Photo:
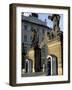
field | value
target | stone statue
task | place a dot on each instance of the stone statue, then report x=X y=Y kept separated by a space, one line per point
x=35 y=38
x=55 y=18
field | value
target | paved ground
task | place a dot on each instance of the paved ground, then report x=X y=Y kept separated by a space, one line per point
x=34 y=74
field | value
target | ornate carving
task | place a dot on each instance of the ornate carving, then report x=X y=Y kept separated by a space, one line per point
x=55 y=18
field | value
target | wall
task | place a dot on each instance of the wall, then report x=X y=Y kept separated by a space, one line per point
x=4 y=45
x=54 y=48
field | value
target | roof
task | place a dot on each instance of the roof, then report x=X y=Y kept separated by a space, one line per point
x=34 y=20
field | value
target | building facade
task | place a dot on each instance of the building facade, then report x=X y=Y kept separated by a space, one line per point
x=41 y=45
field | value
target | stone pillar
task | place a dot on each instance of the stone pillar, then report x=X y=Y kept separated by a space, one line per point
x=37 y=63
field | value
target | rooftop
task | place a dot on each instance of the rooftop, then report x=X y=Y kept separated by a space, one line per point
x=34 y=20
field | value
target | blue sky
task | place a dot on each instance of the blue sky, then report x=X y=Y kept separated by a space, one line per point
x=43 y=16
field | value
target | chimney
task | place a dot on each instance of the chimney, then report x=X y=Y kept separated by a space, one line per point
x=35 y=15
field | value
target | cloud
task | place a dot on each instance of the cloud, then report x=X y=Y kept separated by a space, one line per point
x=26 y=14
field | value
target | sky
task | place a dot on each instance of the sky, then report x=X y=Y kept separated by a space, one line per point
x=43 y=16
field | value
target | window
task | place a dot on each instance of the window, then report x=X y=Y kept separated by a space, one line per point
x=37 y=29
x=30 y=38
x=52 y=65
x=26 y=66
x=24 y=50
x=43 y=31
x=49 y=67
x=25 y=27
x=25 y=38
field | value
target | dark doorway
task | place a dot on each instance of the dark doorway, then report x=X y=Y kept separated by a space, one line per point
x=37 y=59
x=26 y=67
x=52 y=65
x=49 y=67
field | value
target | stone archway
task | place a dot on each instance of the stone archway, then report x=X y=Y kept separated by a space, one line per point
x=28 y=66
x=52 y=65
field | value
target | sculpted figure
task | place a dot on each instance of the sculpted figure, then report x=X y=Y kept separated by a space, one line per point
x=55 y=18
x=35 y=39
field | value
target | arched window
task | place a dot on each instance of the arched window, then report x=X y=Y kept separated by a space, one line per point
x=49 y=66
x=28 y=66
x=52 y=64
